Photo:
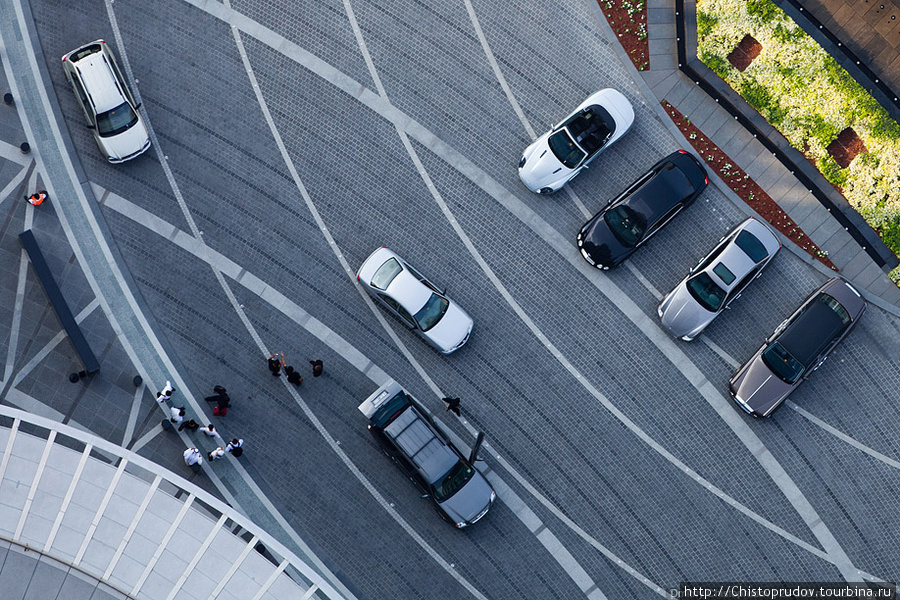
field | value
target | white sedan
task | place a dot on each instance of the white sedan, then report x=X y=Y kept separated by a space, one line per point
x=417 y=302
x=563 y=152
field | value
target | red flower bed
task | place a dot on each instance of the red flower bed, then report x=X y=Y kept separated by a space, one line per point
x=628 y=19
x=744 y=187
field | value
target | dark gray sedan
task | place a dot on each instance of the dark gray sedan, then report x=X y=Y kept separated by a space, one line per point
x=798 y=347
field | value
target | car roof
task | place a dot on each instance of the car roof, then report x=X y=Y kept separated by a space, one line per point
x=99 y=81
x=416 y=438
x=660 y=192
x=812 y=330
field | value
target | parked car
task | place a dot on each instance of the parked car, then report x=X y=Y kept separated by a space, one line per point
x=798 y=347
x=556 y=157
x=107 y=102
x=408 y=436
x=635 y=215
x=418 y=303
x=718 y=280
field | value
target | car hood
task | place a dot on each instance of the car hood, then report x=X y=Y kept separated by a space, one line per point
x=600 y=243
x=542 y=168
x=760 y=388
x=452 y=330
x=127 y=143
x=472 y=500
x=683 y=316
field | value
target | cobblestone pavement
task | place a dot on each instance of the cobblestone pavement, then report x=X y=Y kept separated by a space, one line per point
x=623 y=467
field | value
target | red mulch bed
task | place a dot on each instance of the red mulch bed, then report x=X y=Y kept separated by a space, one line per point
x=745 y=187
x=744 y=53
x=630 y=28
x=845 y=147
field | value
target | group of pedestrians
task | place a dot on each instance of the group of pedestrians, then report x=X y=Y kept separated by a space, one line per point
x=177 y=414
x=276 y=364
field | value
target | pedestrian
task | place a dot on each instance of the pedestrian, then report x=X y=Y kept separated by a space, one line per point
x=190 y=425
x=36 y=198
x=275 y=363
x=293 y=376
x=220 y=397
x=177 y=415
x=192 y=457
x=452 y=405
x=318 y=367
x=215 y=454
x=165 y=394
x=210 y=430
x=235 y=446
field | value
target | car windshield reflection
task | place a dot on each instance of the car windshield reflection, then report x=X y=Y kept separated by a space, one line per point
x=430 y=314
x=116 y=120
x=452 y=481
x=627 y=224
x=705 y=291
x=566 y=150
x=780 y=361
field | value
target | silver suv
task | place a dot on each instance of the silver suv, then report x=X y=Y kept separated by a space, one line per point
x=107 y=102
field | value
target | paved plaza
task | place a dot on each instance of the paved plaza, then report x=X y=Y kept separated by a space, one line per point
x=289 y=141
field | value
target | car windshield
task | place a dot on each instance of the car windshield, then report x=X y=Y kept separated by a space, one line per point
x=627 y=224
x=452 y=481
x=565 y=149
x=386 y=273
x=780 y=361
x=705 y=291
x=429 y=315
x=748 y=242
x=116 y=120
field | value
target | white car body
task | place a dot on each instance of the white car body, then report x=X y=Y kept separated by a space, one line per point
x=543 y=172
x=406 y=293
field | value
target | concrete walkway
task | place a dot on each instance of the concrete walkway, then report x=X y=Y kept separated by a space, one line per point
x=666 y=81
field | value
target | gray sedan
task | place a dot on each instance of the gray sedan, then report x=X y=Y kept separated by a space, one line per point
x=412 y=298
x=718 y=280
x=798 y=347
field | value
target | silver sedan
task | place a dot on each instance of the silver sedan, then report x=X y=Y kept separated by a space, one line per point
x=718 y=279
x=413 y=299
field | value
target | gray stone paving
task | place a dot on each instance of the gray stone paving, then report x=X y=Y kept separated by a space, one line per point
x=536 y=415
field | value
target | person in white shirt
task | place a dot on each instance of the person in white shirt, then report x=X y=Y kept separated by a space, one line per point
x=216 y=454
x=210 y=430
x=192 y=457
x=235 y=446
x=177 y=415
x=165 y=394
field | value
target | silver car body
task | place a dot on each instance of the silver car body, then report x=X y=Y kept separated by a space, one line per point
x=106 y=101
x=540 y=169
x=718 y=279
x=415 y=300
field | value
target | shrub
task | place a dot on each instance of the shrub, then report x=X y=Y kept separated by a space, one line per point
x=705 y=23
x=765 y=11
x=832 y=171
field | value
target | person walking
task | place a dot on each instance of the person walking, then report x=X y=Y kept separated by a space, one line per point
x=192 y=457
x=215 y=454
x=210 y=431
x=452 y=405
x=190 y=425
x=235 y=446
x=219 y=396
x=275 y=363
x=177 y=415
x=166 y=393
x=318 y=366
x=293 y=376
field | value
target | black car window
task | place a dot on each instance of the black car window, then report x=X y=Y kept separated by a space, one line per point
x=627 y=224
x=749 y=243
x=706 y=292
x=116 y=120
x=395 y=306
x=390 y=409
x=430 y=314
x=76 y=83
x=782 y=363
x=724 y=273
x=565 y=149
x=837 y=307
x=452 y=481
x=386 y=273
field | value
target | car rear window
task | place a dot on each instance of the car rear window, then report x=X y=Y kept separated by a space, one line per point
x=749 y=243
x=386 y=273
x=86 y=51
x=389 y=410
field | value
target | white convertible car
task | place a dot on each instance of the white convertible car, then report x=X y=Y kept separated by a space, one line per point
x=561 y=153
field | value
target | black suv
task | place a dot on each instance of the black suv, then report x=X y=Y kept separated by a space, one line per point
x=406 y=434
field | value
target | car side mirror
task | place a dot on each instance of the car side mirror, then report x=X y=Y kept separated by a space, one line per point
x=138 y=105
x=91 y=127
